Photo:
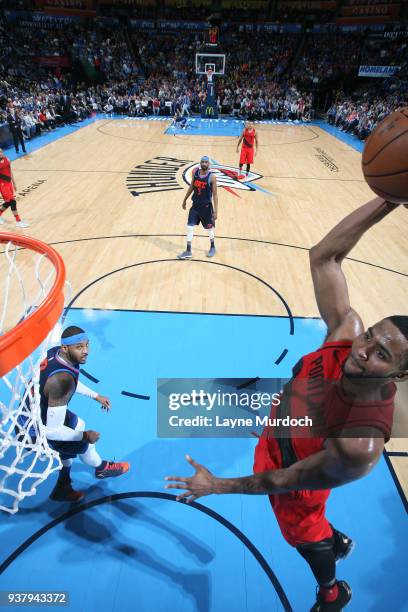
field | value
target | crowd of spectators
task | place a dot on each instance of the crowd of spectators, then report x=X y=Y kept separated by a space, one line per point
x=359 y=114
x=269 y=75
x=105 y=50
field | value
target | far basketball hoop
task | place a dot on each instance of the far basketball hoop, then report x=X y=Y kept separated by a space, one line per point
x=210 y=61
x=210 y=75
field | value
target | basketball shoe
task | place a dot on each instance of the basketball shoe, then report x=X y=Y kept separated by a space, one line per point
x=341 y=601
x=110 y=469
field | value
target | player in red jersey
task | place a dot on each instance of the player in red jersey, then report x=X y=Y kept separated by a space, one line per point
x=347 y=388
x=7 y=187
x=249 y=138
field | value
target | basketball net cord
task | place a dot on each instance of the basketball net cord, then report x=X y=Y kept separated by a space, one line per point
x=26 y=459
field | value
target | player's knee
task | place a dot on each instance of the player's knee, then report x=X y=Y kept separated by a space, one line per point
x=13 y=205
x=310 y=549
x=5 y=205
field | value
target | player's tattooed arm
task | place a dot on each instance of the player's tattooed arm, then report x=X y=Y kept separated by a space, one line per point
x=59 y=389
x=344 y=460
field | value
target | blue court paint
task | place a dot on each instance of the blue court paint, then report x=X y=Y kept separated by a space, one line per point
x=208 y=127
x=196 y=126
x=349 y=139
x=41 y=141
x=150 y=554
x=45 y=139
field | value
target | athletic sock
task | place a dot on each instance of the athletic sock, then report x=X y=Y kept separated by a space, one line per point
x=188 y=247
x=17 y=218
x=212 y=244
x=329 y=594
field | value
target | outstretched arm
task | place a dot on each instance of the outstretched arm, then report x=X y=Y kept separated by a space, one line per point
x=342 y=461
x=328 y=277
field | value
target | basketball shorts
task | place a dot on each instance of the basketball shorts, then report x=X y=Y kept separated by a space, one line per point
x=7 y=191
x=300 y=514
x=70 y=449
x=247 y=155
x=201 y=214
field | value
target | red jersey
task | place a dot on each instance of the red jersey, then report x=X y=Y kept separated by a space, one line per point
x=249 y=137
x=5 y=170
x=315 y=391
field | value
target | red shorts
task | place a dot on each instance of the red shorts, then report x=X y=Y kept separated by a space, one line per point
x=7 y=191
x=300 y=514
x=247 y=155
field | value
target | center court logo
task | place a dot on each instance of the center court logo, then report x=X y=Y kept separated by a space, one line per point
x=155 y=175
x=227 y=178
x=161 y=174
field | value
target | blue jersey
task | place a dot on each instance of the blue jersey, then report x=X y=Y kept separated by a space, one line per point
x=202 y=194
x=51 y=365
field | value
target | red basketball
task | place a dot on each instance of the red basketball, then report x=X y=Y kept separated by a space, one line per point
x=385 y=158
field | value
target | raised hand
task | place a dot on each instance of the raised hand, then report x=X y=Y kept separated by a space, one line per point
x=202 y=483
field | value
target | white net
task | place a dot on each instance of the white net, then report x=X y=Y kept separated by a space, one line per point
x=26 y=459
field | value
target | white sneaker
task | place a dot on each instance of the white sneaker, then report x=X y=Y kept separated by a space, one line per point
x=22 y=224
x=1 y=221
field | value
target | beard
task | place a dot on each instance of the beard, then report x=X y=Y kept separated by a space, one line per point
x=363 y=376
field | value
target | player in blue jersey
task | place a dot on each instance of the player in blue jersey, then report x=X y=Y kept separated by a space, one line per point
x=179 y=120
x=65 y=431
x=204 y=189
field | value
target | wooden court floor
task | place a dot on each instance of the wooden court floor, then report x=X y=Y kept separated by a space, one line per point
x=109 y=195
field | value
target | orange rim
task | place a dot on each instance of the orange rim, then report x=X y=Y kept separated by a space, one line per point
x=26 y=336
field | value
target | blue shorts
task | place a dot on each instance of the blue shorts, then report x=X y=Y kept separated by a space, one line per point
x=69 y=450
x=201 y=214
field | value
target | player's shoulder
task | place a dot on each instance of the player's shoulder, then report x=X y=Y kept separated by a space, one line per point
x=60 y=384
x=332 y=356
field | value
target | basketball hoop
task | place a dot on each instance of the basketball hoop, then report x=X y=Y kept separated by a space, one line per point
x=33 y=300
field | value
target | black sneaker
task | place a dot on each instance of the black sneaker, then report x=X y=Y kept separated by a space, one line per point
x=338 y=604
x=342 y=545
x=65 y=493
